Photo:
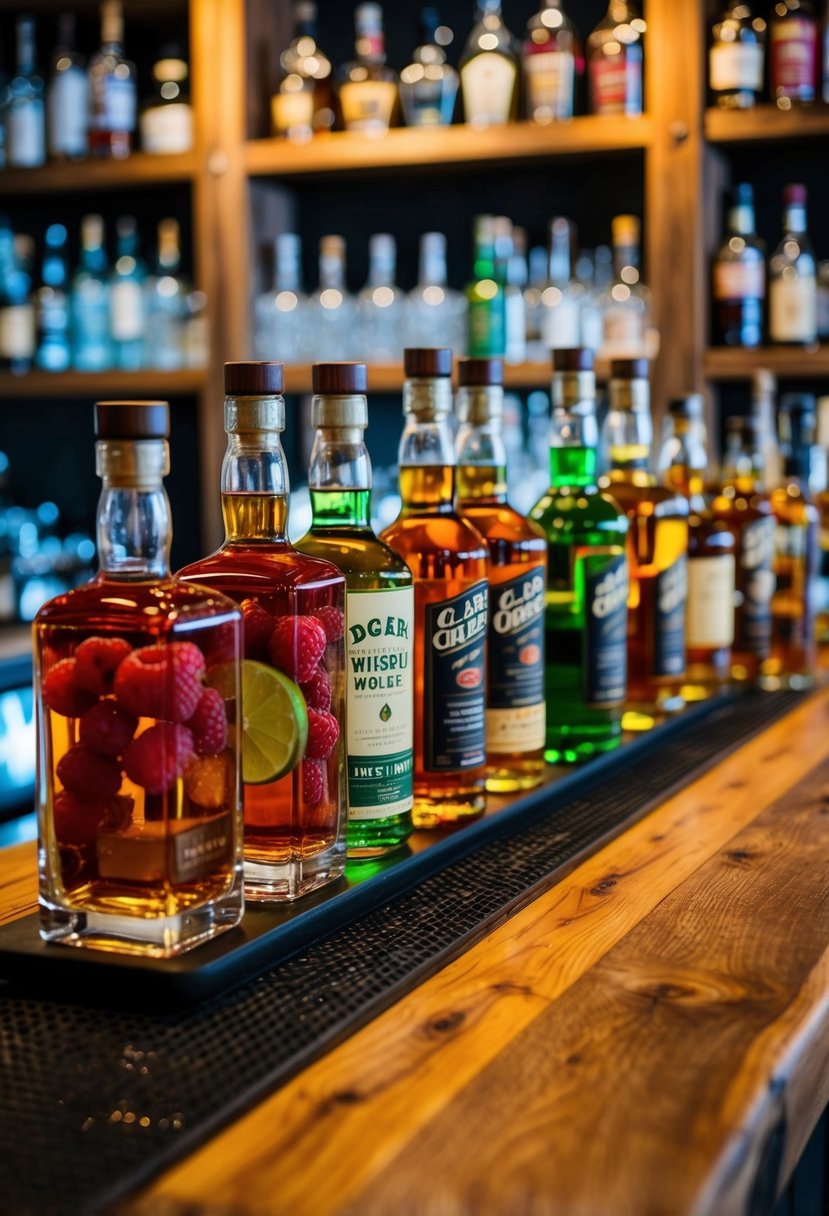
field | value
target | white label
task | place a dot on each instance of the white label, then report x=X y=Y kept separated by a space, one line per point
x=17 y=331
x=560 y=328
x=793 y=309
x=26 y=134
x=67 y=113
x=736 y=65
x=549 y=76
x=367 y=105
x=739 y=280
x=515 y=730
x=709 y=620
x=126 y=307
x=115 y=105
x=166 y=130
x=488 y=84
x=624 y=333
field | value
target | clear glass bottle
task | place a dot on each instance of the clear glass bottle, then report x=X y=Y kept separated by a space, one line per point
x=139 y=803
x=381 y=305
x=89 y=301
x=508 y=275
x=549 y=62
x=793 y=277
x=17 y=311
x=113 y=98
x=739 y=276
x=127 y=299
x=166 y=302
x=166 y=121
x=435 y=312
x=429 y=85
x=736 y=60
x=368 y=87
x=293 y=759
x=517 y=570
x=794 y=59
x=53 y=352
x=67 y=97
x=594 y=299
x=331 y=310
x=561 y=297
x=379 y=615
x=626 y=302
x=280 y=314
x=489 y=69
x=485 y=297
x=306 y=93
x=537 y=270
x=448 y=559
x=614 y=61
x=764 y=412
x=24 y=113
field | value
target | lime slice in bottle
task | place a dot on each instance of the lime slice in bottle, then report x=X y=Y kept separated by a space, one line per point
x=275 y=719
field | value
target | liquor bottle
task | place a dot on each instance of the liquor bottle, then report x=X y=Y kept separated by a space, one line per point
x=429 y=85
x=560 y=299
x=793 y=276
x=614 y=61
x=736 y=61
x=17 y=314
x=379 y=615
x=709 y=619
x=280 y=313
x=448 y=559
x=436 y=313
x=537 y=271
x=507 y=274
x=24 y=114
x=764 y=412
x=587 y=580
x=368 y=88
x=549 y=62
x=127 y=299
x=166 y=121
x=331 y=310
x=793 y=53
x=67 y=97
x=739 y=276
x=489 y=69
x=626 y=302
x=593 y=302
x=89 y=301
x=293 y=673
x=112 y=89
x=165 y=302
x=53 y=353
x=657 y=549
x=381 y=305
x=485 y=297
x=138 y=770
x=821 y=497
x=306 y=94
x=516 y=569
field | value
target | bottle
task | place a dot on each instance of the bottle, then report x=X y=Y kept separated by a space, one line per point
x=560 y=299
x=508 y=275
x=448 y=559
x=736 y=61
x=381 y=305
x=586 y=611
x=657 y=549
x=516 y=570
x=293 y=609
x=280 y=314
x=67 y=100
x=549 y=62
x=739 y=276
x=112 y=89
x=709 y=620
x=17 y=313
x=368 y=88
x=24 y=114
x=793 y=276
x=489 y=69
x=485 y=297
x=821 y=497
x=436 y=313
x=127 y=299
x=626 y=302
x=89 y=301
x=537 y=271
x=166 y=302
x=166 y=121
x=825 y=57
x=139 y=808
x=793 y=53
x=429 y=85
x=379 y=615
x=306 y=94
x=331 y=310
x=53 y=353
x=614 y=61
x=593 y=302
x=764 y=412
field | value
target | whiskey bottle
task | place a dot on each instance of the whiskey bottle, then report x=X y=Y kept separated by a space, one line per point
x=516 y=569
x=549 y=62
x=166 y=120
x=429 y=85
x=307 y=81
x=368 y=88
x=739 y=276
x=24 y=116
x=793 y=276
x=614 y=61
x=736 y=60
x=112 y=89
x=489 y=69
x=67 y=101
x=626 y=301
x=379 y=615
x=793 y=53
x=448 y=559
x=587 y=582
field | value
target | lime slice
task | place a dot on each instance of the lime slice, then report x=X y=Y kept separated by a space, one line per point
x=275 y=719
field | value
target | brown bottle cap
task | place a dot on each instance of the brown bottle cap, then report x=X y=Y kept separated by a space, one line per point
x=629 y=369
x=254 y=379
x=132 y=419
x=339 y=379
x=427 y=361
x=480 y=373
x=689 y=406
x=572 y=359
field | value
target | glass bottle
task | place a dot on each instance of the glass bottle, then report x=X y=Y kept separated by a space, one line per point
x=508 y=275
x=280 y=314
x=485 y=297
x=166 y=302
x=24 y=113
x=379 y=615
x=594 y=300
x=138 y=770
x=17 y=312
x=53 y=352
x=166 y=121
x=821 y=497
x=764 y=412
x=331 y=310
x=736 y=61
x=587 y=580
x=429 y=85
x=89 y=301
x=435 y=312
x=448 y=559
x=517 y=570
x=793 y=53
x=537 y=271
x=368 y=88
x=626 y=302
x=381 y=305
x=560 y=299
x=126 y=299
x=308 y=69
x=614 y=61
x=489 y=69
x=112 y=89
x=657 y=549
x=793 y=276
x=67 y=97
x=739 y=276
x=549 y=62
x=293 y=675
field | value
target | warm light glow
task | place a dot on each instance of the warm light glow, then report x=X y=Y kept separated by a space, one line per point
x=488 y=42
x=620 y=293
x=487 y=289
x=551 y=297
x=331 y=298
x=412 y=73
x=382 y=297
x=551 y=17
x=286 y=301
x=125 y=264
x=306 y=46
x=434 y=296
x=169 y=90
x=443 y=35
x=629 y=274
x=736 y=244
x=167 y=286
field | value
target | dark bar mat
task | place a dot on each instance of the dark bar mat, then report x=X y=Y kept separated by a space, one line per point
x=95 y=1102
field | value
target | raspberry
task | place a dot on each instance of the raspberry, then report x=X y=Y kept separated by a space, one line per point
x=78 y=822
x=258 y=627
x=107 y=728
x=323 y=733
x=61 y=693
x=317 y=691
x=161 y=681
x=159 y=756
x=297 y=645
x=332 y=621
x=313 y=782
x=206 y=782
x=97 y=660
x=209 y=724
x=88 y=774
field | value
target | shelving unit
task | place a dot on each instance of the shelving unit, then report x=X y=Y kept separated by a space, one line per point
x=786 y=362
x=91 y=176
x=145 y=383
x=388 y=377
x=766 y=124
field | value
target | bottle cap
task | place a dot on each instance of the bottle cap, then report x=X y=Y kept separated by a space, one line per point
x=427 y=361
x=745 y=427
x=794 y=195
x=254 y=379
x=383 y=246
x=625 y=229
x=743 y=195
x=132 y=419
x=689 y=406
x=629 y=369
x=572 y=359
x=480 y=373
x=332 y=246
x=339 y=379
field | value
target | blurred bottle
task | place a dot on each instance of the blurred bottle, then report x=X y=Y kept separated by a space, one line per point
x=331 y=310
x=112 y=89
x=739 y=276
x=436 y=313
x=485 y=296
x=736 y=60
x=508 y=274
x=368 y=87
x=24 y=112
x=793 y=53
x=429 y=85
x=307 y=84
x=793 y=277
x=626 y=302
x=167 y=118
x=196 y=330
x=549 y=63
x=592 y=306
x=823 y=300
x=166 y=302
x=537 y=281
x=381 y=305
x=489 y=69
x=821 y=496
x=764 y=413
x=53 y=352
x=614 y=61
x=560 y=299
x=67 y=97
x=126 y=299
x=17 y=319
x=280 y=314
x=89 y=301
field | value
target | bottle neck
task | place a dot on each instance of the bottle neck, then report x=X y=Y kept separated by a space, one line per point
x=573 y=430
x=254 y=471
x=134 y=531
x=482 y=459
x=740 y=220
x=370 y=44
x=559 y=264
x=339 y=478
x=427 y=456
x=743 y=468
x=287 y=276
x=626 y=258
x=382 y=270
x=627 y=433
x=25 y=48
x=485 y=262
x=432 y=268
x=169 y=256
x=794 y=218
x=332 y=271
x=488 y=8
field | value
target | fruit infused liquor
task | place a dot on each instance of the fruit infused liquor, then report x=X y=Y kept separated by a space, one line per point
x=587 y=579
x=448 y=559
x=293 y=668
x=517 y=570
x=379 y=613
x=140 y=830
x=657 y=550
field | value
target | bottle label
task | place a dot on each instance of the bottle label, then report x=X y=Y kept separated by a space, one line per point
x=560 y=321
x=166 y=130
x=367 y=105
x=735 y=66
x=739 y=280
x=25 y=134
x=670 y=596
x=549 y=76
x=616 y=83
x=794 y=57
x=113 y=104
x=756 y=586
x=793 y=309
x=126 y=303
x=17 y=331
x=67 y=113
x=379 y=702
x=515 y=713
x=454 y=681
x=710 y=623
x=488 y=85
x=605 y=636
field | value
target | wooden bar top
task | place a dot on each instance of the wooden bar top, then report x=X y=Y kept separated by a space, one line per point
x=650 y=1036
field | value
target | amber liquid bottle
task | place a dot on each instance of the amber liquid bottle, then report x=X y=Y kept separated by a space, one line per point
x=448 y=559
x=517 y=569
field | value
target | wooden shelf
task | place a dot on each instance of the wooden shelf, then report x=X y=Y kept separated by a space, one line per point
x=388 y=377
x=146 y=383
x=787 y=362
x=765 y=124
x=405 y=147
x=83 y=176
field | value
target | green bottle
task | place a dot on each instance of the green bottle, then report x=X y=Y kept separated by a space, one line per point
x=486 y=297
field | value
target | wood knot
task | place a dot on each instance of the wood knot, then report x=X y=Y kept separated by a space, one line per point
x=738 y=856
x=447 y=1022
x=605 y=885
x=508 y=987
x=573 y=1058
x=347 y=1097
x=665 y=991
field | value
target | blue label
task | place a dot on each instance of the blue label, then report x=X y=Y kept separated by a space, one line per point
x=454 y=681
x=671 y=592
x=515 y=646
x=606 y=623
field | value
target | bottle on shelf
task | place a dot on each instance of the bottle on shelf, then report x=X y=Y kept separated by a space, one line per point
x=89 y=301
x=736 y=60
x=593 y=300
x=657 y=549
x=516 y=569
x=381 y=305
x=823 y=300
x=127 y=299
x=489 y=69
x=562 y=296
x=793 y=277
x=764 y=413
x=165 y=297
x=293 y=608
x=53 y=353
x=794 y=59
x=17 y=314
x=548 y=59
x=614 y=61
x=435 y=312
x=379 y=616
x=739 y=276
x=429 y=85
x=821 y=497
x=112 y=89
x=331 y=310
x=280 y=314
x=304 y=101
x=24 y=114
x=140 y=816
x=166 y=121
x=448 y=559
x=537 y=270
x=626 y=301
x=485 y=297
x=67 y=97
x=508 y=274
x=368 y=87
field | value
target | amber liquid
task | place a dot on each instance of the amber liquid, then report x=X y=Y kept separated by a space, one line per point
x=741 y=507
x=793 y=659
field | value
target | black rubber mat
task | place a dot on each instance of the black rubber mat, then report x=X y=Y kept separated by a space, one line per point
x=94 y=1102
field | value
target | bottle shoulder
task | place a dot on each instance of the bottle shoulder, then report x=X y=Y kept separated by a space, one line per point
x=572 y=507
x=358 y=553
x=147 y=605
x=434 y=532
x=257 y=563
x=650 y=500
x=501 y=522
